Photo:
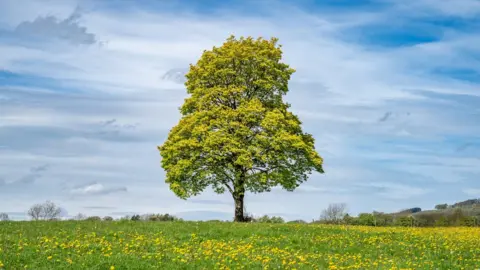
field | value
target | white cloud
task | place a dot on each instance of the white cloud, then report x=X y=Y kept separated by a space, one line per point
x=395 y=191
x=96 y=189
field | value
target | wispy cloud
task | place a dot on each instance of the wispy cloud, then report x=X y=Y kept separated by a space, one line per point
x=394 y=191
x=50 y=27
x=464 y=146
x=385 y=117
x=30 y=177
x=96 y=189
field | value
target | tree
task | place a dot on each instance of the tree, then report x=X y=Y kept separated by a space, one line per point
x=236 y=133
x=45 y=211
x=267 y=219
x=441 y=206
x=160 y=217
x=35 y=212
x=80 y=216
x=334 y=213
x=347 y=219
x=382 y=219
x=366 y=219
x=406 y=221
x=4 y=217
x=50 y=211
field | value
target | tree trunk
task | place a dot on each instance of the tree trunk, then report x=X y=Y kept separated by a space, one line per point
x=239 y=217
x=239 y=195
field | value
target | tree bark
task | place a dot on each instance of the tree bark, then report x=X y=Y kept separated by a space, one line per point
x=238 y=197
x=239 y=215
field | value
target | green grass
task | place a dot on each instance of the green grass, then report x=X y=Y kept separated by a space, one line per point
x=205 y=245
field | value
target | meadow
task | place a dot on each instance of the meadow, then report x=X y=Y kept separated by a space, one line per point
x=222 y=245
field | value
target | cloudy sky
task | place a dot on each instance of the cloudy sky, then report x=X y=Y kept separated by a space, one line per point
x=390 y=89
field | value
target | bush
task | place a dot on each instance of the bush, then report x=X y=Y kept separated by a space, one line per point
x=405 y=221
x=366 y=219
x=94 y=218
x=249 y=218
x=441 y=222
x=469 y=221
x=160 y=217
x=107 y=218
x=267 y=219
x=297 y=221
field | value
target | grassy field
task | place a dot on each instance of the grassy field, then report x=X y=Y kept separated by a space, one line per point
x=204 y=245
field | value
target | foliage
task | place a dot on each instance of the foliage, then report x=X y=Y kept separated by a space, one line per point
x=441 y=206
x=405 y=221
x=107 y=218
x=236 y=133
x=45 y=211
x=135 y=218
x=366 y=219
x=469 y=217
x=94 y=218
x=267 y=219
x=297 y=221
x=160 y=217
x=409 y=211
x=202 y=245
x=467 y=203
x=248 y=217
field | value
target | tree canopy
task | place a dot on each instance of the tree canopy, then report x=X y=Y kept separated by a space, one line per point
x=236 y=133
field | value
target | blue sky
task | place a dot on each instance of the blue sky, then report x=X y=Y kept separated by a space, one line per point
x=390 y=89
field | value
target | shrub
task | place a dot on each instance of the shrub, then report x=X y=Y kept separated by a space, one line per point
x=248 y=217
x=267 y=219
x=405 y=221
x=160 y=217
x=469 y=221
x=297 y=221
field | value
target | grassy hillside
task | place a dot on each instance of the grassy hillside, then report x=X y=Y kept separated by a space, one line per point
x=208 y=245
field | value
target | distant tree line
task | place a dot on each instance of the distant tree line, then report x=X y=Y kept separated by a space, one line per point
x=460 y=214
x=466 y=213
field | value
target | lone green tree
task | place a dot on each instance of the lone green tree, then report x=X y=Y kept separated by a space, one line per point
x=236 y=133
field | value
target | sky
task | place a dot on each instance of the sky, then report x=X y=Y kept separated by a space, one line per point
x=390 y=90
